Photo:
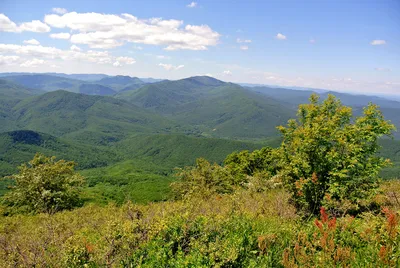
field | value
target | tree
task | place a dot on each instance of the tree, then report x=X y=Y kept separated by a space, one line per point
x=44 y=185
x=205 y=179
x=245 y=163
x=329 y=159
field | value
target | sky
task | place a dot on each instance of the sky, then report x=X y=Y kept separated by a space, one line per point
x=343 y=45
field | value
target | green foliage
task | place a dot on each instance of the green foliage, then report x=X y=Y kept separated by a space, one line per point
x=247 y=163
x=205 y=179
x=347 y=242
x=215 y=107
x=44 y=185
x=240 y=230
x=329 y=160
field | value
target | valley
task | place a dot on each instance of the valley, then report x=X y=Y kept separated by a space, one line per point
x=127 y=135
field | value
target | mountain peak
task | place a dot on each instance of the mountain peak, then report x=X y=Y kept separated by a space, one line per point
x=205 y=80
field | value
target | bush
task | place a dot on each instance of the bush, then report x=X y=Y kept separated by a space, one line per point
x=329 y=159
x=44 y=185
x=247 y=163
x=205 y=179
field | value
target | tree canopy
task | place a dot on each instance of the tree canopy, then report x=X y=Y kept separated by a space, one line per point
x=329 y=158
x=44 y=185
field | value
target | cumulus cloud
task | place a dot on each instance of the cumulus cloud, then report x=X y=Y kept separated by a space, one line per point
x=7 y=25
x=126 y=60
x=60 y=36
x=9 y=60
x=227 y=72
x=34 y=26
x=170 y=67
x=42 y=52
x=378 y=42
x=32 y=42
x=243 y=40
x=244 y=47
x=108 y=31
x=280 y=36
x=117 y=64
x=33 y=63
x=59 y=10
x=75 y=48
x=192 y=5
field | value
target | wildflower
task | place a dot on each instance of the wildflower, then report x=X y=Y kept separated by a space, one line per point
x=324 y=215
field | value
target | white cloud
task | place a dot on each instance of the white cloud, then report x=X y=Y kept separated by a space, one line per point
x=6 y=25
x=32 y=42
x=29 y=51
x=75 y=48
x=280 y=36
x=33 y=63
x=227 y=72
x=55 y=66
x=9 y=60
x=170 y=67
x=117 y=64
x=137 y=47
x=59 y=10
x=243 y=40
x=108 y=31
x=244 y=47
x=192 y=5
x=34 y=26
x=60 y=36
x=126 y=60
x=378 y=42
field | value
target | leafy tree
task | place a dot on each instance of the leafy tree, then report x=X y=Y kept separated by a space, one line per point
x=44 y=185
x=204 y=178
x=329 y=159
x=248 y=163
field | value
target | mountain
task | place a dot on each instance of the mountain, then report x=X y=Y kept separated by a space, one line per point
x=20 y=146
x=45 y=82
x=49 y=83
x=120 y=82
x=292 y=98
x=10 y=95
x=95 y=89
x=10 y=90
x=83 y=77
x=92 y=119
x=151 y=80
x=217 y=108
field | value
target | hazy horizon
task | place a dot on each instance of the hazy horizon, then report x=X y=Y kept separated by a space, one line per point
x=351 y=46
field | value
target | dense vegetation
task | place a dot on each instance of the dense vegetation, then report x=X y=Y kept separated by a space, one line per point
x=161 y=192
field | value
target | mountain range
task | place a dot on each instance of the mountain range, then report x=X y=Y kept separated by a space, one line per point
x=111 y=123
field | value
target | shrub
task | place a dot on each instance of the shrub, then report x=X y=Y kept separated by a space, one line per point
x=247 y=163
x=330 y=159
x=44 y=185
x=204 y=178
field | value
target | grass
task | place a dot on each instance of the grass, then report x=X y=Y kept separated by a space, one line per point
x=246 y=229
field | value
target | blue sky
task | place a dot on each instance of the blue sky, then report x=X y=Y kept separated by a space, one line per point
x=343 y=45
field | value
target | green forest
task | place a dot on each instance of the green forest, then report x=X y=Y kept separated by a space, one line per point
x=121 y=172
